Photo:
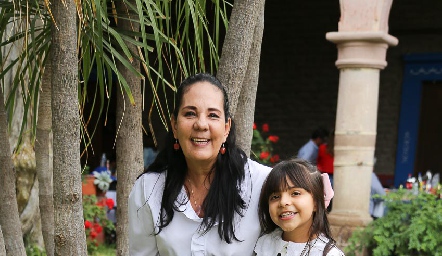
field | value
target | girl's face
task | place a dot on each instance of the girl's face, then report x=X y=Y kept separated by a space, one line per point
x=200 y=125
x=292 y=210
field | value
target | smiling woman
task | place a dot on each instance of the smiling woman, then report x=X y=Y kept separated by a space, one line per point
x=200 y=195
x=201 y=125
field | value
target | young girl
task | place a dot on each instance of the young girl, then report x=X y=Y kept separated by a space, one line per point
x=292 y=212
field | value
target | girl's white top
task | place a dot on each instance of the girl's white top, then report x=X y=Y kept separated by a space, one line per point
x=273 y=245
x=183 y=236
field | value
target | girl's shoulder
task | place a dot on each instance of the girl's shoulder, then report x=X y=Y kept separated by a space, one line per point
x=270 y=244
x=335 y=251
x=321 y=243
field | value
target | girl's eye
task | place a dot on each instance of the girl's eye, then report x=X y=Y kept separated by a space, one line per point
x=296 y=193
x=274 y=197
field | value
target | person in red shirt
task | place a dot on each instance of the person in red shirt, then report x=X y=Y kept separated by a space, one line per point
x=326 y=157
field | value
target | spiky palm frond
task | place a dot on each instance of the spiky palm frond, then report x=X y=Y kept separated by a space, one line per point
x=175 y=39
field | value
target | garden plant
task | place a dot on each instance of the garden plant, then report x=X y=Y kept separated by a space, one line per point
x=411 y=226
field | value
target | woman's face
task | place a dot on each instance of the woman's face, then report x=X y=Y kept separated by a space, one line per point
x=200 y=125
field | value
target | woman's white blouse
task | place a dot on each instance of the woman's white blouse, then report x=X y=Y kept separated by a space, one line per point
x=183 y=236
x=273 y=245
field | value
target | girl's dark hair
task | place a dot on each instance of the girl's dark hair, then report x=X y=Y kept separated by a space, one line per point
x=303 y=175
x=223 y=199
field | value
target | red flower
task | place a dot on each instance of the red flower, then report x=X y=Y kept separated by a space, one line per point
x=110 y=203
x=98 y=228
x=100 y=203
x=93 y=234
x=274 y=158
x=273 y=138
x=254 y=126
x=87 y=224
x=265 y=128
x=264 y=155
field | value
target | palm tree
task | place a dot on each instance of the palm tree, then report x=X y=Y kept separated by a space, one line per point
x=129 y=138
x=42 y=160
x=9 y=220
x=2 y=244
x=174 y=40
x=239 y=64
x=175 y=31
x=70 y=238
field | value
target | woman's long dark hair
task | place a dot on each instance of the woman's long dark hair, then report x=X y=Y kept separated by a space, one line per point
x=223 y=199
x=303 y=175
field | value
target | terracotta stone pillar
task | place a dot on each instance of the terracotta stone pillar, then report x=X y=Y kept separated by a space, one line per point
x=362 y=42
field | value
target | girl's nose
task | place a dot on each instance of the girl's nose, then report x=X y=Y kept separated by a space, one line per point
x=285 y=200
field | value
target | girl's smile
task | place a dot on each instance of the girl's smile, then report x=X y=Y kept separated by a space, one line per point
x=287 y=215
x=292 y=210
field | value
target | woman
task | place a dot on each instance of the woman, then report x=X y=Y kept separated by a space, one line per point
x=200 y=196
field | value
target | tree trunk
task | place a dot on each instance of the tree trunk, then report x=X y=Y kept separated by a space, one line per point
x=246 y=104
x=43 y=160
x=129 y=147
x=239 y=64
x=2 y=244
x=9 y=218
x=69 y=234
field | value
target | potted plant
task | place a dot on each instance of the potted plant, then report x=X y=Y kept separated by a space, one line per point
x=96 y=223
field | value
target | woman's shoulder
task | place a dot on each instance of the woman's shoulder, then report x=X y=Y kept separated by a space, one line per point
x=256 y=169
x=148 y=186
x=150 y=178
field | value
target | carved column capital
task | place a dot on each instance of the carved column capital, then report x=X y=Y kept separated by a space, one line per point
x=362 y=49
x=363 y=15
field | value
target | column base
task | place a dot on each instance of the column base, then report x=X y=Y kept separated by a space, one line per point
x=342 y=226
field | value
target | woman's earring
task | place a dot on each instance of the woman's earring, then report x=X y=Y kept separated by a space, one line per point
x=176 y=145
x=222 y=150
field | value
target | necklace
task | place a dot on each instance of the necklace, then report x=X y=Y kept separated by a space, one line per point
x=192 y=195
x=307 y=246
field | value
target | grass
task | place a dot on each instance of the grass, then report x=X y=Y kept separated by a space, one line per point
x=105 y=250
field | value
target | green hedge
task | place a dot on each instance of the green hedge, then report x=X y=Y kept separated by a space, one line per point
x=412 y=226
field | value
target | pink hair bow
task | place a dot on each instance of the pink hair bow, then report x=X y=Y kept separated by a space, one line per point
x=328 y=190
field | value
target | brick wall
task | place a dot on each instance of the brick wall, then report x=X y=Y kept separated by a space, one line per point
x=298 y=82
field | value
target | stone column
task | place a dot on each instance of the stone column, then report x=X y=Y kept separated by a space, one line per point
x=362 y=42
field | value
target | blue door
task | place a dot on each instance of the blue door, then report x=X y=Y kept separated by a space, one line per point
x=421 y=70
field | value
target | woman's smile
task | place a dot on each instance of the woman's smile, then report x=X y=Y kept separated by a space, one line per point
x=199 y=141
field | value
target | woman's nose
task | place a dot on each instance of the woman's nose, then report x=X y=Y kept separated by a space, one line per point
x=201 y=124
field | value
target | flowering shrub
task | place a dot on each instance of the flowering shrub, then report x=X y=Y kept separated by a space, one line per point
x=262 y=146
x=95 y=219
